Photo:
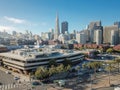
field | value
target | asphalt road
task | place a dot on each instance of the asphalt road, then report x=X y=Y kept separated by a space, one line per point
x=6 y=78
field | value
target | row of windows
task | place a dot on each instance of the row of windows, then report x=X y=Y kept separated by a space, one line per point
x=24 y=66
x=46 y=55
x=35 y=65
x=12 y=59
x=51 y=59
x=43 y=60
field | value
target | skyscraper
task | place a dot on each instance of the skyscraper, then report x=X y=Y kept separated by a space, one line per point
x=107 y=33
x=98 y=36
x=57 y=30
x=114 y=37
x=81 y=38
x=92 y=27
x=64 y=27
x=117 y=23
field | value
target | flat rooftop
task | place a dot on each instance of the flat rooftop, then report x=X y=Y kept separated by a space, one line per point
x=27 y=54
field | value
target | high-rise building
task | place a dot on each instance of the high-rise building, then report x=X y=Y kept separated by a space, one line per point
x=64 y=27
x=52 y=34
x=57 y=30
x=46 y=35
x=107 y=33
x=87 y=33
x=14 y=33
x=92 y=27
x=98 y=37
x=114 y=37
x=51 y=30
x=117 y=23
x=81 y=38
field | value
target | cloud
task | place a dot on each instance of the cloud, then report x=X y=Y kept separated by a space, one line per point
x=15 y=20
x=7 y=28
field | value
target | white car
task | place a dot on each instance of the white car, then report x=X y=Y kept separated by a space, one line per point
x=7 y=72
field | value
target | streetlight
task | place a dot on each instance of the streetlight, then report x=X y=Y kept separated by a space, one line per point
x=90 y=81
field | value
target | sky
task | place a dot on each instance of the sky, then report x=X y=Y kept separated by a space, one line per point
x=39 y=15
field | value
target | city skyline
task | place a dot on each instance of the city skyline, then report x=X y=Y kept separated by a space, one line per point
x=38 y=16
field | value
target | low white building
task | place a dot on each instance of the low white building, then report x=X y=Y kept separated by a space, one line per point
x=27 y=60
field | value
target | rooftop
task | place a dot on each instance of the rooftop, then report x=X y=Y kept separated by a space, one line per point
x=27 y=54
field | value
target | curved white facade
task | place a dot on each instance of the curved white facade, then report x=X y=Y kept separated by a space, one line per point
x=29 y=60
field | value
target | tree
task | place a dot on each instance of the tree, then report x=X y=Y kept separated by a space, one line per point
x=94 y=65
x=52 y=62
x=81 y=48
x=84 y=66
x=109 y=68
x=77 y=68
x=109 y=50
x=76 y=48
x=67 y=68
x=52 y=70
x=41 y=73
x=60 y=68
x=100 y=50
x=118 y=62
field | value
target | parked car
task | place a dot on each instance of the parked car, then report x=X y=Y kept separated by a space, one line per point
x=80 y=80
x=60 y=82
x=35 y=83
x=8 y=72
x=16 y=78
x=46 y=81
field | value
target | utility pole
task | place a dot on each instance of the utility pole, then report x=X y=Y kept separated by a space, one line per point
x=90 y=81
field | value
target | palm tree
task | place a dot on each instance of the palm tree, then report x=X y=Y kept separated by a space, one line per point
x=94 y=65
x=77 y=68
x=110 y=67
x=118 y=62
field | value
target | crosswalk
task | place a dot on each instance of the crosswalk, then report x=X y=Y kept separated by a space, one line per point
x=9 y=86
x=20 y=86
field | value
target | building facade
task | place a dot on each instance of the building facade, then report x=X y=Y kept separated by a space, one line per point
x=114 y=38
x=28 y=60
x=107 y=33
x=57 y=30
x=92 y=27
x=81 y=38
x=64 y=27
x=98 y=37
